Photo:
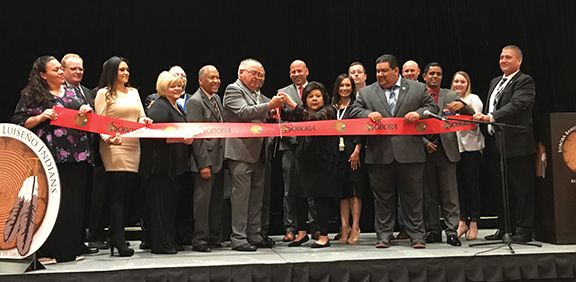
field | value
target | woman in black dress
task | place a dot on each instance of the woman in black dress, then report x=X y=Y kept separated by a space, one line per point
x=162 y=161
x=316 y=163
x=352 y=173
x=71 y=150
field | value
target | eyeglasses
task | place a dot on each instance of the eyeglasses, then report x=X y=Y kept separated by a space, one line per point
x=255 y=73
x=76 y=69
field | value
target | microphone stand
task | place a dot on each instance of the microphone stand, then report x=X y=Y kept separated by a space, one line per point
x=507 y=238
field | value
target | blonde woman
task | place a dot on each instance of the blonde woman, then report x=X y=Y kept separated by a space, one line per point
x=470 y=144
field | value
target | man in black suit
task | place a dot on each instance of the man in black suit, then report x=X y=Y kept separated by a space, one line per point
x=510 y=101
x=395 y=160
x=73 y=66
x=207 y=163
x=285 y=147
x=440 y=182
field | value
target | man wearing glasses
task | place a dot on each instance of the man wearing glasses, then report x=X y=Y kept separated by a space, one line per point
x=247 y=156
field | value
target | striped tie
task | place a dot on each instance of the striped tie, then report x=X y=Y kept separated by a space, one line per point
x=392 y=100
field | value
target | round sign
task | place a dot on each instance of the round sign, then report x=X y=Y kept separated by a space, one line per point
x=29 y=191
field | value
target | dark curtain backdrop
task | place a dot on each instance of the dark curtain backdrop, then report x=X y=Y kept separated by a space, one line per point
x=327 y=35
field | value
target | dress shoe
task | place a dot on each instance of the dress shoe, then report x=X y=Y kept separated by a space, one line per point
x=418 y=244
x=289 y=237
x=496 y=236
x=383 y=244
x=453 y=240
x=170 y=251
x=217 y=245
x=178 y=247
x=202 y=248
x=433 y=238
x=337 y=236
x=522 y=237
x=98 y=244
x=88 y=250
x=265 y=243
x=316 y=245
x=246 y=247
x=402 y=235
x=316 y=235
x=298 y=243
x=144 y=246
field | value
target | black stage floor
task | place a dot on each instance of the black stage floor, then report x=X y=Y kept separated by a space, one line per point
x=361 y=262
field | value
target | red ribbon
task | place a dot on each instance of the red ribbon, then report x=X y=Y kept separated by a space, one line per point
x=388 y=126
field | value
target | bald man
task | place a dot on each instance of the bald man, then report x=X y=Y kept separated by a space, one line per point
x=410 y=70
x=285 y=146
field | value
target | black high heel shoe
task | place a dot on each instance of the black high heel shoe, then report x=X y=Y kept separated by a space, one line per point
x=298 y=243
x=120 y=245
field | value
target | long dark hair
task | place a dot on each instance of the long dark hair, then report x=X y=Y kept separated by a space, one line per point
x=37 y=92
x=311 y=86
x=109 y=77
x=339 y=79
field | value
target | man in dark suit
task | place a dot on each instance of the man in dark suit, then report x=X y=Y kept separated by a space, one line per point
x=510 y=101
x=395 y=160
x=73 y=66
x=206 y=162
x=247 y=156
x=440 y=182
x=285 y=147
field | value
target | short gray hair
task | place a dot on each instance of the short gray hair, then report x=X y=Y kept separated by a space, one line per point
x=246 y=63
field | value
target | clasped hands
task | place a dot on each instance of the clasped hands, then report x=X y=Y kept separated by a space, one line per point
x=278 y=101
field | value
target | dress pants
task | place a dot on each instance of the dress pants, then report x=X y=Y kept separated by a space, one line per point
x=468 y=171
x=441 y=187
x=247 y=193
x=384 y=178
x=288 y=165
x=322 y=213
x=208 y=205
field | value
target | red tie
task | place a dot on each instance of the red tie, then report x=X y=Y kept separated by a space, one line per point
x=300 y=91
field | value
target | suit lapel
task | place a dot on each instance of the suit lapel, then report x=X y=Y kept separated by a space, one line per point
x=402 y=93
x=382 y=96
x=247 y=93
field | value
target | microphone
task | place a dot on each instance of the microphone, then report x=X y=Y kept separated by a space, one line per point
x=428 y=113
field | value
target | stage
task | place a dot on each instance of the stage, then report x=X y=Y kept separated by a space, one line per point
x=362 y=262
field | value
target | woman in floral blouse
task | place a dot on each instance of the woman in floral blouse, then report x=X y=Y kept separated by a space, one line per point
x=71 y=150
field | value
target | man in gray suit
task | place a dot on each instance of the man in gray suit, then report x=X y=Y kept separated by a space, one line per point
x=206 y=163
x=285 y=147
x=440 y=172
x=395 y=160
x=247 y=156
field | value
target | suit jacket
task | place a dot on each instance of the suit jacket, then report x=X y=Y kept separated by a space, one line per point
x=288 y=142
x=449 y=139
x=383 y=149
x=515 y=107
x=205 y=152
x=240 y=105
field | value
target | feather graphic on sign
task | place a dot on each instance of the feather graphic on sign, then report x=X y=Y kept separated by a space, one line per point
x=11 y=227
x=26 y=221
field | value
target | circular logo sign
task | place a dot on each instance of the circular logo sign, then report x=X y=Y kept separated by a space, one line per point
x=29 y=191
x=569 y=151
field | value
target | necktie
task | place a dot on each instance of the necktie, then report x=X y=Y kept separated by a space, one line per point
x=300 y=91
x=497 y=95
x=218 y=114
x=392 y=100
x=499 y=91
